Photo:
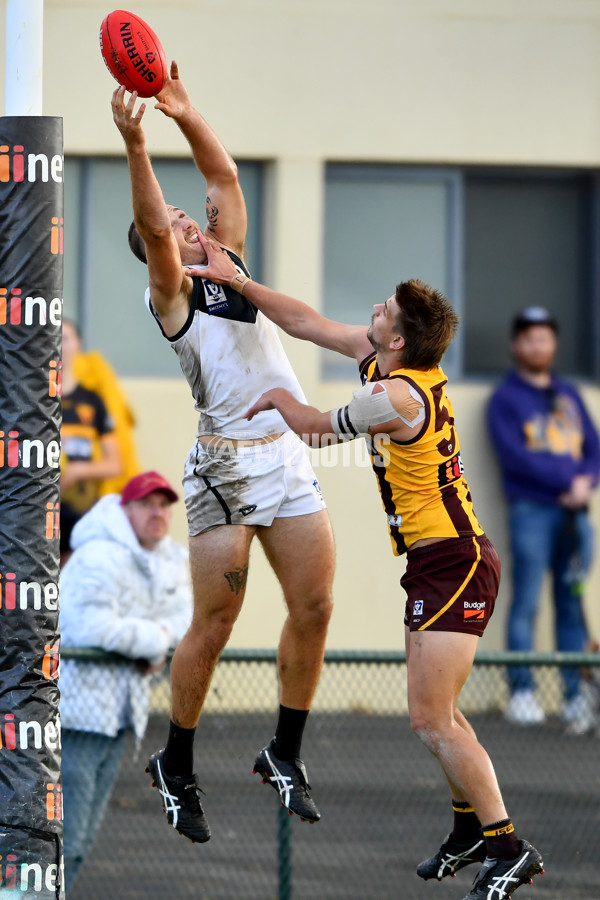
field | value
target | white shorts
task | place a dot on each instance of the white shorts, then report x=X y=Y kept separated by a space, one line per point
x=226 y=484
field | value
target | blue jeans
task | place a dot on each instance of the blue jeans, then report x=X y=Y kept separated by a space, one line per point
x=90 y=765
x=551 y=539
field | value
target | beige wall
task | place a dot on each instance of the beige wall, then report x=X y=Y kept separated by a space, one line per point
x=369 y=602
x=435 y=80
x=300 y=82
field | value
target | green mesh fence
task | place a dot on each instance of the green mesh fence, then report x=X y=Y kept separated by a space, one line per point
x=384 y=802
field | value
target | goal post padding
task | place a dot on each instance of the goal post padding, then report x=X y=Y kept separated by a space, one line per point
x=31 y=302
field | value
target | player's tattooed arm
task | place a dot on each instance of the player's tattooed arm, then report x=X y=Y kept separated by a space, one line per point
x=212 y=214
x=237 y=579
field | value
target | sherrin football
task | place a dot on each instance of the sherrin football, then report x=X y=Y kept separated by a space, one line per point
x=133 y=54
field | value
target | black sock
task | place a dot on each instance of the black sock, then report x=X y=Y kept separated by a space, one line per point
x=467 y=826
x=501 y=840
x=288 y=735
x=178 y=758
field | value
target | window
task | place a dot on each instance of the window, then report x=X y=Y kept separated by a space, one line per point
x=104 y=283
x=494 y=240
x=528 y=242
x=383 y=225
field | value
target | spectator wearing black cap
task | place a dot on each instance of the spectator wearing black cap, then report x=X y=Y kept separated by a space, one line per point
x=125 y=589
x=549 y=455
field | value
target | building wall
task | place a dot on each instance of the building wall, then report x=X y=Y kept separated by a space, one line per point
x=298 y=83
x=369 y=603
x=425 y=80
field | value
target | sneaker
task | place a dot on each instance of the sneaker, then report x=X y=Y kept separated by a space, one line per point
x=579 y=714
x=290 y=779
x=181 y=800
x=451 y=857
x=523 y=708
x=499 y=878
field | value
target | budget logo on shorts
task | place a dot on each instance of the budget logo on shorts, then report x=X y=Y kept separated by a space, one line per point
x=475 y=610
x=418 y=608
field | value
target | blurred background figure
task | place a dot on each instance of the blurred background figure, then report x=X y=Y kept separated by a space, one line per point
x=549 y=457
x=94 y=372
x=90 y=452
x=126 y=590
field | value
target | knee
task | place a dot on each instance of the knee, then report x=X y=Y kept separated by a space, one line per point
x=210 y=632
x=427 y=730
x=313 y=611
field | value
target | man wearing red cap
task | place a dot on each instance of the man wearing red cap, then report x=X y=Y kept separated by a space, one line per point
x=125 y=590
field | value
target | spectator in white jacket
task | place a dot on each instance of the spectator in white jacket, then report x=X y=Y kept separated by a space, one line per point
x=126 y=590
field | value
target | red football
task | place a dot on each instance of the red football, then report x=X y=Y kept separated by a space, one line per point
x=132 y=53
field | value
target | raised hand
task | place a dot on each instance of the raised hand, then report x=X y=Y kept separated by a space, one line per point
x=127 y=120
x=174 y=99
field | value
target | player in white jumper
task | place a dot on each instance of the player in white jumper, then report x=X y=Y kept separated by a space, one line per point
x=239 y=482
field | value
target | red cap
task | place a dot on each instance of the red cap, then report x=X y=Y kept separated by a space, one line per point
x=140 y=486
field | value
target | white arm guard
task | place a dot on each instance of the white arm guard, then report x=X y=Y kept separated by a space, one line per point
x=365 y=410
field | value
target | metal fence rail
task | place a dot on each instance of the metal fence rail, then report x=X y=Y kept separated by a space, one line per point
x=384 y=801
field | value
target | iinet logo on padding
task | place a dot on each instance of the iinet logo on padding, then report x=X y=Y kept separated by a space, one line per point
x=15 y=166
x=25 y=877
x=27 y=453
x=52 y=521
x=51 y=662
x=15 y=309
x=54 y=802
x=27 y=594
x=28 y=734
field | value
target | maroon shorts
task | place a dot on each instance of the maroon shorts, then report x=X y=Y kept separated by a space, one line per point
x=451 y=585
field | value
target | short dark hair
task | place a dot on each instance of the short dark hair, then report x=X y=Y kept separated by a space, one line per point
x=137 y=245
x=427 y=321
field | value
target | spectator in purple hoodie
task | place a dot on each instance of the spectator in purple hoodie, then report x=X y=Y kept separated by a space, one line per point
x=549 y=456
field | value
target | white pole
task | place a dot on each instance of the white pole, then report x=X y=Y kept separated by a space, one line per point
x=24 y=57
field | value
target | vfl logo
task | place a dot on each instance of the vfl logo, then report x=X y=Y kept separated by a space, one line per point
x=474 y=611
x=215 y=297
x=418 y=608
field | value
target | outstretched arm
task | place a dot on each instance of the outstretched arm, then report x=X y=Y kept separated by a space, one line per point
x=371 y=411
x=225 y=206
x=296 y=318
x=313 y=426
x=168 y=283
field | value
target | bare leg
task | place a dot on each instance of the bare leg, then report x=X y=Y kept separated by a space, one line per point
x=438 y=666
x=301 y=552
x=219 y=566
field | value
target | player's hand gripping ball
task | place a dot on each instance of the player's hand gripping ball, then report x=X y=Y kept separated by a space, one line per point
x=133 y=54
